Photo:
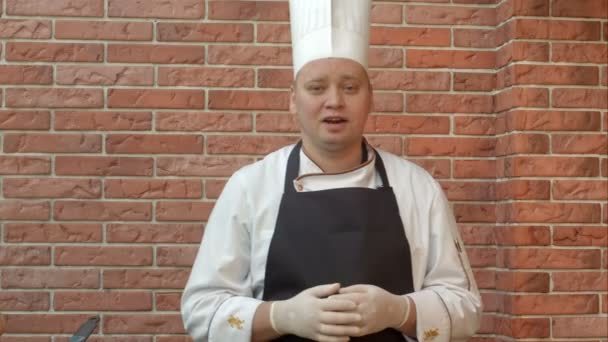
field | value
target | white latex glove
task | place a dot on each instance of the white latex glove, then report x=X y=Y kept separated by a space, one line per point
x=311 y=315
x=379 y=309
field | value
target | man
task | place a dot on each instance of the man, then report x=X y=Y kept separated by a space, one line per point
x=331 y=240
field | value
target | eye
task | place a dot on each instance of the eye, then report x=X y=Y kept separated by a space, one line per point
x=351 y=88
x=315 y=88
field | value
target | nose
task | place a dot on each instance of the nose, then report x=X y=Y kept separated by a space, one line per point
x=335 y=98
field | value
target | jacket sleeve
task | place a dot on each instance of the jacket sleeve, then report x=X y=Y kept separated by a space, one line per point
x=217 y=303
x=448 y=306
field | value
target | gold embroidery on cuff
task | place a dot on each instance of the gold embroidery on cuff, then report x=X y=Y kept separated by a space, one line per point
x=235 y=322
x=431 y=334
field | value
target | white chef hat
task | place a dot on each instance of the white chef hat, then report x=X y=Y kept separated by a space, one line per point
x=329 y=28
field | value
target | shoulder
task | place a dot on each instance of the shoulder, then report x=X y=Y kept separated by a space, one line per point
x=268 y=171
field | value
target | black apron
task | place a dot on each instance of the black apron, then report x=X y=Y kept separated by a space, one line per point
x=347 y=235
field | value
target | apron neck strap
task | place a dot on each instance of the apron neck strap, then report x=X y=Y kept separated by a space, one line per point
x=293 y=166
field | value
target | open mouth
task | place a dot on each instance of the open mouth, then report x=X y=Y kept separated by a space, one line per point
x=334 y=120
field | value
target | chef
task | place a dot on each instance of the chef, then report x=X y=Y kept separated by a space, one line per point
x=330 y=239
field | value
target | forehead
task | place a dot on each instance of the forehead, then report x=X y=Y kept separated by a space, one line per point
x=331 y=68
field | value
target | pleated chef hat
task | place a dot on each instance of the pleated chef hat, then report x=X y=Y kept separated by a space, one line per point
x=329 y=28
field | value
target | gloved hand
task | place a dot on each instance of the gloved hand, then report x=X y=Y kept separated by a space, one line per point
x=379 y=309
x=311 y=315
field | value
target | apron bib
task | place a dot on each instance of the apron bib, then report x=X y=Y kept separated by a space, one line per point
x=348 y=235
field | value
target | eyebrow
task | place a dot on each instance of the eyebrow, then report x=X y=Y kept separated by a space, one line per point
x=343 y=77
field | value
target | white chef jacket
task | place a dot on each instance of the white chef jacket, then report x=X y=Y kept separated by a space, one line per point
x=226 y=283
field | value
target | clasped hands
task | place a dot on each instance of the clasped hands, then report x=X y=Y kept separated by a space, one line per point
x=330 y=313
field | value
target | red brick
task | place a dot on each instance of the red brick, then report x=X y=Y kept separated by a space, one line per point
x=385 y=58
x=22 y=165
x=156 y=54
x=28 y=74
x=482 y=257
x=522 y=281
x=143 y=324
x=580 y=143
x=53 y=52
x=156 y=98
x=457 y=59
x=557 y=29
x=24 y=120
x=409 y=80
x=118 y=338
x=52 y=143
x=438 y=168
x=580 y=236
x=24 y=210
x=474 y=125
x=580 y=327
x=105 y=75
x=102 y=301
x=274 y=122
x=584 y=9
x=11 y=255
x=474 y=81
x=386 y=14
x=516 y=189
x=542 y=212
x=475 y=213
x=580 y=190
x=472 y=168
x=409 y=36
x=213 y=188
x=200 y=166
x=25 y=28
x=522 y=51
x=202 y=121
x=274 y=78
x=103 y=256
x=410 y=124
x=49 y=278
x=165 y=278
x=103 y=30
x=580 y=52
x=248 y=100
x=555 y=75
x=205 y=32
x=469 y=191
x=52 y=232
x=530 y=258
x=516 y=143
x=247 y=144
x=530 y=120
x=551 y=167
x=580 y=98
x=387 y=143
x=154 y=233
x=24 y=301
x=44 y=323
x=521 y=97
x=532 y=304
x=580 y=281
x=167 y=301
x=103 y=166
x=512 y=8
x=102 y=211
x=475 y=38
x=152 y=188
x=54 y=97
x=176 y=9
x=76 y=8
x=477 y=234
x=249 y=55
x=273 y=33
x=176 y=256
x=248 y=10
x=102 y=121
x=206 y=77
x=51 y=188
x=449 y=15
x=523 y=236
x=449 y=103
x=183 y=211
x=388 y=102
x=157 y=143
x=465 y=147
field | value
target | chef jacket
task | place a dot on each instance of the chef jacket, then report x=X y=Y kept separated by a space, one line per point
x=227 y=279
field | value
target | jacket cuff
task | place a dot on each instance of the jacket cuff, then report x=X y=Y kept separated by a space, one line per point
x=433 y=322
x=233 y=321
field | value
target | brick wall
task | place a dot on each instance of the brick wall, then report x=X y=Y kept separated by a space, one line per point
x=122 y=119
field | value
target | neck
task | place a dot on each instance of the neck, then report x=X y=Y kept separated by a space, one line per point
x=334 y=161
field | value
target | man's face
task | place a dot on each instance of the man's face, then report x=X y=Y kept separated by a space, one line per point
x=331 y=98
